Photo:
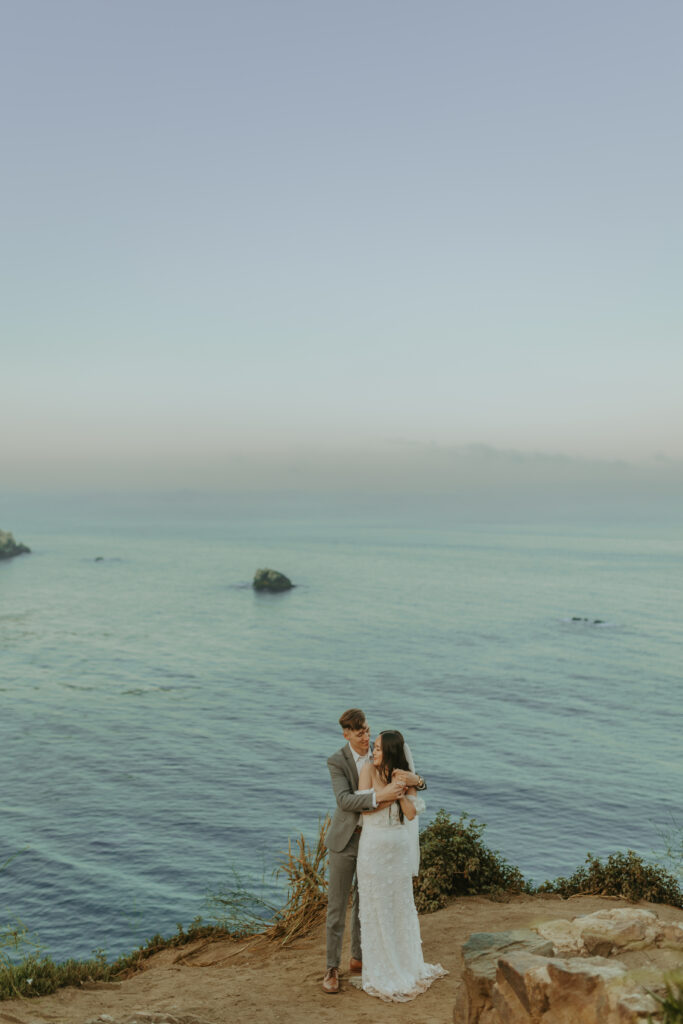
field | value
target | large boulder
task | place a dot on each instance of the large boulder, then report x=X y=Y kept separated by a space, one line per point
x=481 y=954
x=271 y=581
x=596 y=969
x=9 y=547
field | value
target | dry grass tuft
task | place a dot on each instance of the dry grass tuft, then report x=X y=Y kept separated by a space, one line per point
x=305 y=869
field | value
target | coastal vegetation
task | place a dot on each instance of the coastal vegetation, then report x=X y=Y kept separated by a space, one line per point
x=455 y=861
x=26 y=970
x=671 y=1002
x=621 y=874
x=244 y=914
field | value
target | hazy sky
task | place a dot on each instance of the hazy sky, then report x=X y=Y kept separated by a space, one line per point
x=251 y=233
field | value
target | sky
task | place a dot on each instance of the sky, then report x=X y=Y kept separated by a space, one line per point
x=358 y=244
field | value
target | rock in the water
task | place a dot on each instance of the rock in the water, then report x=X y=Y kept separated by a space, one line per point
x=272 y=581
x=9 y=547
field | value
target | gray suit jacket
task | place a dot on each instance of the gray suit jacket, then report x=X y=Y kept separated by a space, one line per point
x=350 y=804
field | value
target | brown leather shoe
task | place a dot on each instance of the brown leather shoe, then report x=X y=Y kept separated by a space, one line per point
x=356 y=966
x=331 y=981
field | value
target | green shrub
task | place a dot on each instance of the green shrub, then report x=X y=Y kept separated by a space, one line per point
x=671 y=1003
x=38 y=975
x=455 y=862
x=622 y=874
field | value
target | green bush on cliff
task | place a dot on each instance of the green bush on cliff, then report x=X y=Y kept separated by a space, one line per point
x=40 y=975
x=622 y=874
x=26 y=971
x=671 y=1003
x=455 y=862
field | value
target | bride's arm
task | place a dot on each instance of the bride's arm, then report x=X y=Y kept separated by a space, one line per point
x=366 y=782
x=407 y=806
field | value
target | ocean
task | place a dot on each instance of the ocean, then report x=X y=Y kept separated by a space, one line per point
x=164 y=729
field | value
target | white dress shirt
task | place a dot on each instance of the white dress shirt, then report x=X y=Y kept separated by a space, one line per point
x=360 y=760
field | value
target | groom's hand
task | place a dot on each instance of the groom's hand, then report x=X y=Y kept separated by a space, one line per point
x=407 y=779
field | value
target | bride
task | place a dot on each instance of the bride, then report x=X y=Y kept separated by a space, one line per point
x=393 y=967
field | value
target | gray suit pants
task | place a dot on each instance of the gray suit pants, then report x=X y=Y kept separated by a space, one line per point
x=342 y=868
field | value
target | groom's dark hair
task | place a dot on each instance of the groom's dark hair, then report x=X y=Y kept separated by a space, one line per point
x=354 y=719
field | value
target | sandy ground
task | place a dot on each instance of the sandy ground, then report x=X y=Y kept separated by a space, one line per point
x=223 y=982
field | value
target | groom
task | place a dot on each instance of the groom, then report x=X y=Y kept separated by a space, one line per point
x=344 y=833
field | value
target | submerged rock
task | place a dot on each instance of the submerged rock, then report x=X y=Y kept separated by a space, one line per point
x=9 y=547
x=271 y=580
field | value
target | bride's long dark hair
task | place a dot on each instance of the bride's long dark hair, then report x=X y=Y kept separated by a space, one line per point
x=393 y=756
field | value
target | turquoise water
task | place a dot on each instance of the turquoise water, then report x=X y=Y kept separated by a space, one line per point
x=163 y=725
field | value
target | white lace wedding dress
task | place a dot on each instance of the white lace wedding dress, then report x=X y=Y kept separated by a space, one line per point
x=393 y=966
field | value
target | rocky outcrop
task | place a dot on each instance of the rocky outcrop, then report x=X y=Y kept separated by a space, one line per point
x=271 y=581
x=9 y=547
x=596 y=969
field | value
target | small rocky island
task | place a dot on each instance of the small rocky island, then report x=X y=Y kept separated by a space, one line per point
x=271 y=581
x=9 y=547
